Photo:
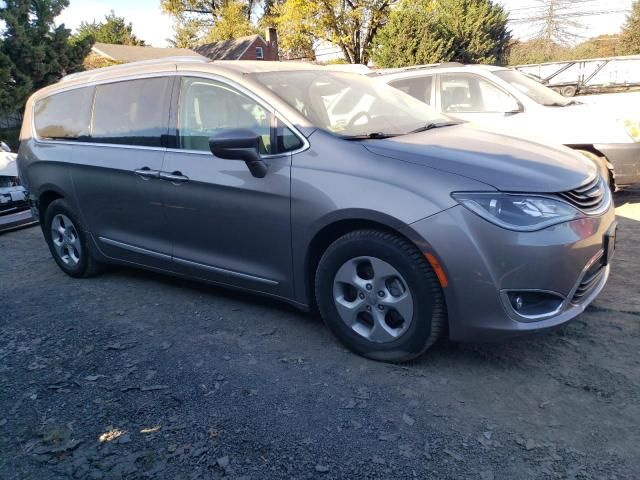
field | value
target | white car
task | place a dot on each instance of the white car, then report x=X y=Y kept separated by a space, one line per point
x=506 y=101
x=14 y=208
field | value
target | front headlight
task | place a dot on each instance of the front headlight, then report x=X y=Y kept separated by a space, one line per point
x=633 y=129
x=523 y=213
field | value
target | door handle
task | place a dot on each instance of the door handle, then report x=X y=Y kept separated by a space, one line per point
x=146 y=173
x=174 y=177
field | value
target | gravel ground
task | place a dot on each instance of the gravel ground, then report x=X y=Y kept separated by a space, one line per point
x=135 y=375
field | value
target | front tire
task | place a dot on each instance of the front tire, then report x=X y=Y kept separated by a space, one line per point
x=67 y=240
x=378 y=294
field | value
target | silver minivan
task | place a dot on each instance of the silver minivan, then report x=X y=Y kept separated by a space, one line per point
x=324 y=189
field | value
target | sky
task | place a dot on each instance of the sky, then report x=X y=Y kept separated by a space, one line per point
x=150 y=24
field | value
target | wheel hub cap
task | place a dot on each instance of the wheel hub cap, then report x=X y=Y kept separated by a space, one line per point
x=373 y=299
x=66 y=241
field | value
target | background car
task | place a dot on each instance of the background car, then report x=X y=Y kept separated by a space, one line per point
x=14 y=208
x=506 y=101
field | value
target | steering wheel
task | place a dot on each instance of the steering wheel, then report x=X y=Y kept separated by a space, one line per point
x=358 y=116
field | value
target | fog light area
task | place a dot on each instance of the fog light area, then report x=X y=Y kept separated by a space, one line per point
x=534 y=304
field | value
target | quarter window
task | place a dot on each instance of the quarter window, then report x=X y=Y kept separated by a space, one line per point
x=64 y=116
x=132 y=112
x=207 y=107
x=418 y=87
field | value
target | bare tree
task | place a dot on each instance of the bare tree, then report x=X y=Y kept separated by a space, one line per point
x=556 y=24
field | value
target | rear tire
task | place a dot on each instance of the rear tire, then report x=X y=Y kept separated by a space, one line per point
x=67 y=240
x=378 y=294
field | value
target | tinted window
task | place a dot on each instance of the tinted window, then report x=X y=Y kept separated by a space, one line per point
x=206 y=107
x=133 y=112
x=64 y=115
x=417 y=87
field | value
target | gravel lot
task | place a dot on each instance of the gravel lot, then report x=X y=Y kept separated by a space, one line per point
x=134 y=375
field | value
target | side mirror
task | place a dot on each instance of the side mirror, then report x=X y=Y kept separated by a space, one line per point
x=239 y=144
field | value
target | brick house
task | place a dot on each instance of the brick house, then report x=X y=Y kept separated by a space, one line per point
x=253 y=47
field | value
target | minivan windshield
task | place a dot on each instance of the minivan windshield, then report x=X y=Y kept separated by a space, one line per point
x=532 y=89
x=351 y=105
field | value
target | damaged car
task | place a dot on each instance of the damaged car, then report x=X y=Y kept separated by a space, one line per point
x=14 y=208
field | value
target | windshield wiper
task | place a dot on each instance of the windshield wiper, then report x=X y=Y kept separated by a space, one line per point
x=557 y=104
x=431 y=126
x=371 y=136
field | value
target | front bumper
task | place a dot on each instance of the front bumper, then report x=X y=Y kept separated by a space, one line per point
x=483 y=261
x=625 y=158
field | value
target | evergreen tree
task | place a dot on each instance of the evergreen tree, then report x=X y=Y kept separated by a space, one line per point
x=34 y=52
x=113 y=29
x=434 y=31
x=630 y=37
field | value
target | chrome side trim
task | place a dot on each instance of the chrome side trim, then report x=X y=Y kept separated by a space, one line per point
x=133 y=248
x=96 y=144
x=223 y=271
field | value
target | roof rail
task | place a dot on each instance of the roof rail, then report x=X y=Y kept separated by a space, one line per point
x=90 y=74
x=386 y=71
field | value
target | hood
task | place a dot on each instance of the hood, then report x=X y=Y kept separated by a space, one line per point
x=583 y=123
x=8 y=165
x=506 y=163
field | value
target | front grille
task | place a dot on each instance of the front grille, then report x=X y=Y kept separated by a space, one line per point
x=589 y=197
x=589 y=281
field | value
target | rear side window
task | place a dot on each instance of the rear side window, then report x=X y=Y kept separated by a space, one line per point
x=418 y=87
x=65 y=116
x=133 y=112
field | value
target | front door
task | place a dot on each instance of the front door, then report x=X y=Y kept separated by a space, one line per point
x=115 y=171
x=228 y=226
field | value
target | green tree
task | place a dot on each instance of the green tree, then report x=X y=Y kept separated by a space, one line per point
x=630 y=37
x=537 y=50
x=187 y=34
x=232 y=22
x=34 y=52
x=112 y=29
x=349 y=24
x=434 y=31
x=294 y=22
x=210 y=20
x=597 y=47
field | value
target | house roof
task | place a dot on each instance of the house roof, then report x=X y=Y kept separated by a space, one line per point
x=228 y=49
x=129 y=53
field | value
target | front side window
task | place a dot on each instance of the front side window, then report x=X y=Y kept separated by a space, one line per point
x=132 y=112
x=418 y=87
x=208 y=107
x=464 y=93
x=349 y=105
x=64 y=116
